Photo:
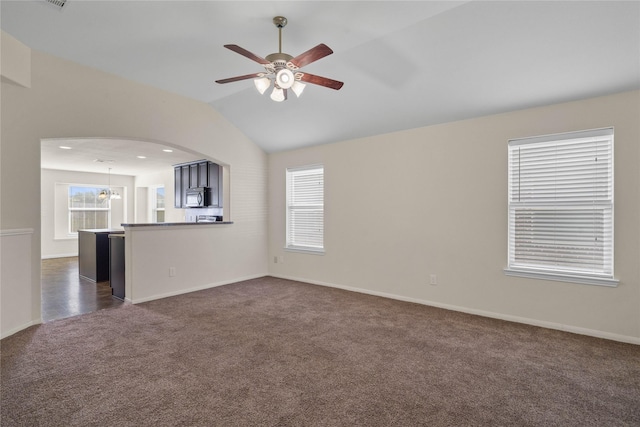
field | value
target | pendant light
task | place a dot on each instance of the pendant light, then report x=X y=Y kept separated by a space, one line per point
x=109 y=193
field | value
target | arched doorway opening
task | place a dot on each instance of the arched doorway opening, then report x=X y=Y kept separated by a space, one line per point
x=74 y=171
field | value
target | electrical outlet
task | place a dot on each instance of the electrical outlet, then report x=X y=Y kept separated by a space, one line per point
x=275 y=259
x=172 y=271
x=433 y=280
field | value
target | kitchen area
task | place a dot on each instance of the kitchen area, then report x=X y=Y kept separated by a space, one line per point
x=84 y=271
x=198 y=190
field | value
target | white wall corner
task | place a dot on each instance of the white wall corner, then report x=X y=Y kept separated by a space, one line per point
x=17 y=296
x=15 y=61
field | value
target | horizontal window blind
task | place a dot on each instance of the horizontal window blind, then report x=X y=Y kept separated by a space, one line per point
x=305 y=208
x=561 y=203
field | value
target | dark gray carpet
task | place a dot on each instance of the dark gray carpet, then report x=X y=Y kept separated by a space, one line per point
x=273 y=352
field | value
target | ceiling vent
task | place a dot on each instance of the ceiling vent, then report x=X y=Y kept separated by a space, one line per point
x=59 y=4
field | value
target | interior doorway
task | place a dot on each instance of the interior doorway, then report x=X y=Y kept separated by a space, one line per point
x=137 y=170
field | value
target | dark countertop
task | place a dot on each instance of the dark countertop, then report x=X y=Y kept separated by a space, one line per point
x=173 y=224
x=102 y=230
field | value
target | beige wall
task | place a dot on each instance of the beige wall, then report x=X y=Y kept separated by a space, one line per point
x=403 y=206
x=15 y=65
x=67 y=100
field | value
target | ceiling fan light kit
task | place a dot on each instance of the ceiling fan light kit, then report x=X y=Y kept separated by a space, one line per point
x=262 y=84
x=284 y=78
x=297 y=88
x=283 y=69
x=278 y=94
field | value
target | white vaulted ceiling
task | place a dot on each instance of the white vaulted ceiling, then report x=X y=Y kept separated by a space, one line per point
x=404 y=64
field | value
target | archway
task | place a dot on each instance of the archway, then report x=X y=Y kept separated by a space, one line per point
x=132 y=168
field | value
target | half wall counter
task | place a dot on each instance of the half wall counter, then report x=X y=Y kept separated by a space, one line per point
x=173 y=258
x=175 y=224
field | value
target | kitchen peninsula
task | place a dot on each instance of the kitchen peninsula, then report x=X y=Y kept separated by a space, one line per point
x=167 y=259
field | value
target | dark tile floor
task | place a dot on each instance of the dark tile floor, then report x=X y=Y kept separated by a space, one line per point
x=66 y=294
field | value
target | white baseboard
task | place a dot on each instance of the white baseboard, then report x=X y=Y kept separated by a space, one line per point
x=194 y=289
x=20 y=328
x=59 y=256
x=500 y=316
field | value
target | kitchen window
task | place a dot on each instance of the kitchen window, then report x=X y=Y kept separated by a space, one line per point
x=561 y=207
x=157 y=204
x=305 y=209
x=87 y=210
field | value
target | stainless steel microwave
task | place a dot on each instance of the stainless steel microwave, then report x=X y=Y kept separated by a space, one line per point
x=198 y=197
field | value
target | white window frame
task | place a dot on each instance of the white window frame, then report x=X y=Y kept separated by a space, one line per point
x=534 y=224
x=70 y=209
x=313 y=203
x=153 y=203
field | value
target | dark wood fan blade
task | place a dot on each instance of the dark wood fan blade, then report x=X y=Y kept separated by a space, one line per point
x=322 y=81
x=311 y=55
x=238 y=78
x=246 y=53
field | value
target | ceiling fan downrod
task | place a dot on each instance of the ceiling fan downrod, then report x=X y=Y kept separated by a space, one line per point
x=278 y=60
x=280 y=22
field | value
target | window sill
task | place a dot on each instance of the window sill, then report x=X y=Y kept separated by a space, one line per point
x=69 y=237
x=304 y=250
x=544 y=275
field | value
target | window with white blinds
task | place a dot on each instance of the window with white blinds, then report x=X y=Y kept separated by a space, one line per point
x=305 y=208
x=561 y=207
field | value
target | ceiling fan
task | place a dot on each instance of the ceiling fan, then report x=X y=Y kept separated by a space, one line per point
x=283 y=69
